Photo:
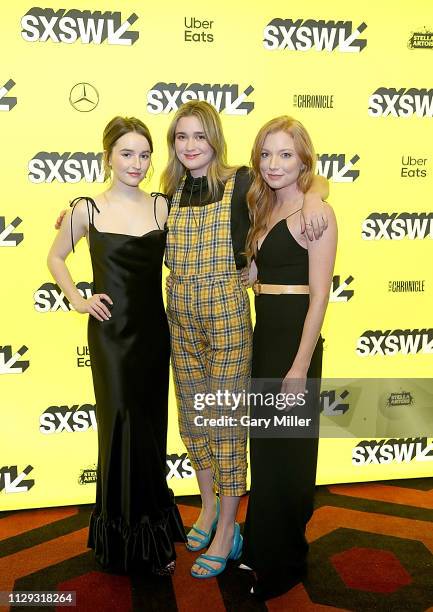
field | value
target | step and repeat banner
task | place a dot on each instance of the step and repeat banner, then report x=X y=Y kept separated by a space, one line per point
x=360 y=80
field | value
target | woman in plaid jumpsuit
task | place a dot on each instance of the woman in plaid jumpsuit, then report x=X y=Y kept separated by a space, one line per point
x=209 y=317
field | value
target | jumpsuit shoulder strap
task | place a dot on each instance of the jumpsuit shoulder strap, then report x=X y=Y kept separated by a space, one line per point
x=91 y=207
x=155 y=195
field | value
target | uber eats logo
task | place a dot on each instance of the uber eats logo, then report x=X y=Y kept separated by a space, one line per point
x=391 y=102
x=400 y=450
x=12 y=481
x=50 y=298
x=10 y=360
x=391 y=342
x=46 y=24
x=66 y=167
x=7 y=102
x=8 y=237
x=57 y=419
x=167 y=97
x=334 y=166
x=320 y=35
x=396 y=226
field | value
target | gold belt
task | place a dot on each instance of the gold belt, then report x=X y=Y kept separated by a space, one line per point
x=259 y=289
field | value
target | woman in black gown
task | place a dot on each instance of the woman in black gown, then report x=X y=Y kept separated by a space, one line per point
x=294 y=277
x=135 y=521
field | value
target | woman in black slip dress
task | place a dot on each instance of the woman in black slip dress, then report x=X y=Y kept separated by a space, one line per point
x=294 y=277
x=135 y=521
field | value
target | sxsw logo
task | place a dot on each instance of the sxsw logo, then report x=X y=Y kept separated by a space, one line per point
x=167 y=97
x=8 y=237
x=66 y=167
x=57 y=419
x=332 y=404
x=335 y=167
x=7 y=102
x=386 y=343
x=46 y=24
x=396 y=226
x=385 y=102
x=10 y=362
x=400 y=450
x=179 y=466
x=13 y=482
x=50 y=298
x=339 y=291
x=306 y=34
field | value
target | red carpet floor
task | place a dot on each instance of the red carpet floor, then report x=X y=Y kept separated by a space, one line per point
x=371 y=550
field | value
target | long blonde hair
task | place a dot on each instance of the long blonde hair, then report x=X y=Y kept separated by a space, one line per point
x=219 y=170
x=260 y=196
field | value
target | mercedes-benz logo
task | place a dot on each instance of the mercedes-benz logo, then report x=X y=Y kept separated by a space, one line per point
x=84 y=97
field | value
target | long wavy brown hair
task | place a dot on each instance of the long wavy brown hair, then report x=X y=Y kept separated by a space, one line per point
x=260 y=197
x=219 y=170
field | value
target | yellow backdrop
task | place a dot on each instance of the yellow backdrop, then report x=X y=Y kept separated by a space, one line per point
x=358 y=77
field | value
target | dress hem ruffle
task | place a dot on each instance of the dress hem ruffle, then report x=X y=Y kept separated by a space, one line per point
x=121 y=546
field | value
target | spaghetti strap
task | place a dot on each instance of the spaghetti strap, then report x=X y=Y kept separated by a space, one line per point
x=90 y=202
x=155 y=195
x=293 y=213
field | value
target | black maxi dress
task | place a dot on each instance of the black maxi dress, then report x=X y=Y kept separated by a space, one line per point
x=283 y=469
x=135 y=521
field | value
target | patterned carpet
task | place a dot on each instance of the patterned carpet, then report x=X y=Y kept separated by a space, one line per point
x=371 y=550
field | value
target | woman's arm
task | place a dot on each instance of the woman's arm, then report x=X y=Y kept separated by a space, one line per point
x=314 y=220
x=56 y=261
x=321 y=258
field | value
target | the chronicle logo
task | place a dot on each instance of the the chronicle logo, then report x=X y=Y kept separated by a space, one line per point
x=66 y=167
x=50 y=298
x=179 y=466
x=333 y=402
x=401 y=398
x=8 y=237
x=306 y=34
x=396 y=226
x=12 y=481
x=400 y=450
x=385 y=102
x=339 y=290
x=335 y=167
x=57 y=419
x=421 y=40
x=7 y=102
x=167 y=97
x=46 y=24
x=11 y=362
x=313 y=101
x=87 y=476
x=392 y=342
x=406 y=286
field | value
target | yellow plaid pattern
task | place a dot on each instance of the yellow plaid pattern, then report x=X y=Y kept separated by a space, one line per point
x=210 y=327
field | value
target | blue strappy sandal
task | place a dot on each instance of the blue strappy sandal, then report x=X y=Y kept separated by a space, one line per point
x=205 y=535
x=234 y=554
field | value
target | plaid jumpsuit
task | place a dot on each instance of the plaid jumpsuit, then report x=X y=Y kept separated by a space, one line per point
x=208 y=313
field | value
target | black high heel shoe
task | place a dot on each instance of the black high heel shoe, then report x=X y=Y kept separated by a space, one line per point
x=273 y=586
x=168 y=570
